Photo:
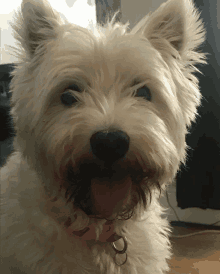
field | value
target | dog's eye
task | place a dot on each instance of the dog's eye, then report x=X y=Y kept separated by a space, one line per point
x=144 y=92
x=67 y=98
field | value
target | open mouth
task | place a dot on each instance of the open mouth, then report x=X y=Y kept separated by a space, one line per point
x=105 y=191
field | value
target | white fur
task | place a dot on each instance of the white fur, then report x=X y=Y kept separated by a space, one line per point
x=159 y=52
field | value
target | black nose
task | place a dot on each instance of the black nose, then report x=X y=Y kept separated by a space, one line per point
x=109 y=146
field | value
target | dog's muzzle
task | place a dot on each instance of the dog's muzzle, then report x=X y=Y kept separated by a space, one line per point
x=105 y=182
x=109 y=147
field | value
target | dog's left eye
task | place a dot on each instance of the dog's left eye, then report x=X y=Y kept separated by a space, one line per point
x=67 y=98
x=144 y=92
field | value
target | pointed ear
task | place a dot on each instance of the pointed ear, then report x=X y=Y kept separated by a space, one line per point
x=176 y=22
x=35 y=24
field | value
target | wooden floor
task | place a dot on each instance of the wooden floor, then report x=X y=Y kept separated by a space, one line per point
x=195 y=254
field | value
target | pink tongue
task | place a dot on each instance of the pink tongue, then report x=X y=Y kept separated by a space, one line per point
x=109 y=197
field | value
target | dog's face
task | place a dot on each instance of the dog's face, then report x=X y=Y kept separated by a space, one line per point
x=103 y=118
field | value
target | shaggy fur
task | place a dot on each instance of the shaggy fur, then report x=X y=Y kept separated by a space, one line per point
x=138 y=81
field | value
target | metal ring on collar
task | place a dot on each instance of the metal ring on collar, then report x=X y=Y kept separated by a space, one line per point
x=123 y=262
x=123 y=250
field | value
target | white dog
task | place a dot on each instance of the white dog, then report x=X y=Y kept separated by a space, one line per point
x=100 y=123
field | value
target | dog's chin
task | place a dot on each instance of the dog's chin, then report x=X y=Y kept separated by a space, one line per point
x=105 y=190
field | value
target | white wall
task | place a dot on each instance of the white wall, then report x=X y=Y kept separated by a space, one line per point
x=81 y=12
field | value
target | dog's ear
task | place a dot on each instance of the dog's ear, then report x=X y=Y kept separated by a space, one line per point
x=175 y=23
x=35 y=24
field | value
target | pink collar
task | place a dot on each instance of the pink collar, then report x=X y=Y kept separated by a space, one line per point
x=107 y=235
x=88 y=233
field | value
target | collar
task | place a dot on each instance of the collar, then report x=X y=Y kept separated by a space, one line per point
x=107 y=235
x=88 y=233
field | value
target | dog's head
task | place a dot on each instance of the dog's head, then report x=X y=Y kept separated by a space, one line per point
x=103 y=115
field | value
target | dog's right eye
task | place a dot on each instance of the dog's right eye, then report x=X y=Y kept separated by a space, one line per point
x=67 y=98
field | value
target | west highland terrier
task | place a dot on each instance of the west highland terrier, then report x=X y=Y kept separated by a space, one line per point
x=100 y=117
